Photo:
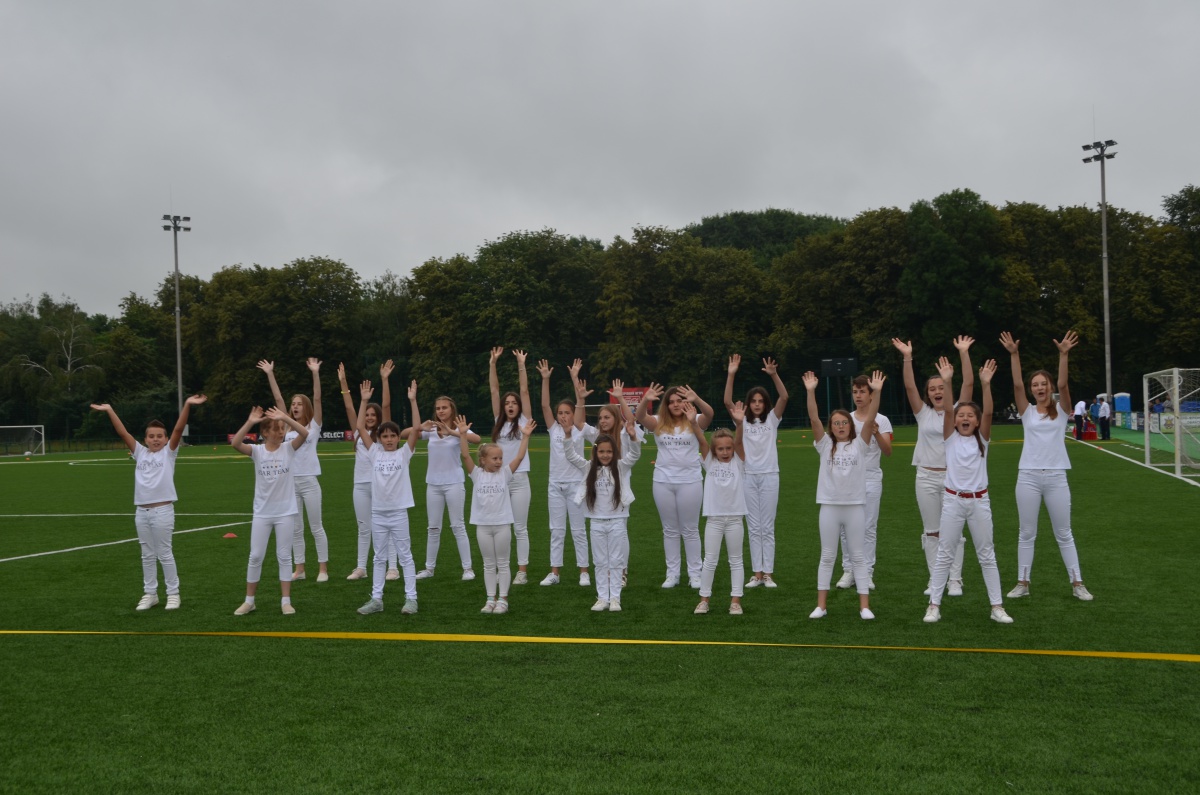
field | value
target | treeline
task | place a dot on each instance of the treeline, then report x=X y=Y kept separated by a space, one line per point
x=665 y=305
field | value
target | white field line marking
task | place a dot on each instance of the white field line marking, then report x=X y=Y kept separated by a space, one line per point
x=86 y=515
x=1139 y=463
x=114 y=543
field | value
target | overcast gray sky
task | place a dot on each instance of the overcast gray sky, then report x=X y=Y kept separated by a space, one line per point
x=387 y=133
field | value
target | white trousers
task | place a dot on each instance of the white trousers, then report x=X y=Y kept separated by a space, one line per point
x=834 y=521
x=931 y=488
x=610 y=555
x=495 y=545
x=679 y=509
x=389 y=531
x=442 y=498
x=762 y=503
x=154 y=529
x=260 y=534
x=362 y=514
x=1033 y=487
x=519 y=496
x=976 y=513
x=871 y=509
x=308 y=499
x=563 y=507
x=730 y=530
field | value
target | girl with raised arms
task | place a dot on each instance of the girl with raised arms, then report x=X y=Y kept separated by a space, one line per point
x=512 y=412
x=1042 y=471
x=724 y=505
x=445 y=492
x=564 y=478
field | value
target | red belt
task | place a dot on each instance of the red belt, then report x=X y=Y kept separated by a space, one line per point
x=968 y=494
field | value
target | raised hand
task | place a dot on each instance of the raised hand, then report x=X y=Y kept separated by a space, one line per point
x=945 y=369
x=496 y=353
x=412 y=390
x=461 y=426
x=653 y=393
x=257 y=414
x=734 y=362
x=769 y=366
x=520 y=357
x=688 y=394
x=196 y=400
x=738 y=412
x=543 y=367
x=101 y=407
x=581 y=390
x=987 y=371
x=810 y=381
x=1069 y=341
x=365 y=390
x=342 y=374
x=575 y=367
x=962 y=343
x=876 y=380
x=528 y=428
x=1008 y=342
x=313 y=363
x=617 y=389
x=265 y=366
x=905 y=348
x=385 y=369
x=275 y=414
x=689 y=411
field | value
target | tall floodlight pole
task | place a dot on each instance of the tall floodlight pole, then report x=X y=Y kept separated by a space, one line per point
x=173 y=226
x=1102 y=154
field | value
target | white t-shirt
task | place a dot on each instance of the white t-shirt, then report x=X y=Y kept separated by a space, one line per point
x=362 y=461
x=966 y=469
x=306 y=462
x=930 y=452
x=842 y=480
x=758 y=438
x=723 y=492
x=445 y=459
x=874 y=453
x=274 y=484
x=1045 y=445
x=510 y=446
x=678 y=457
x=490 y=503
x=561 y=471
x=154 y=475
x=391 y=487
x=1080 y=409
x=1105 y=410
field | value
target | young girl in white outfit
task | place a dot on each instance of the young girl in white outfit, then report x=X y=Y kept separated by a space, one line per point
x=154 y=495
x=1042 y=472
x=929 y=455
x=760 y=437
x=605 y=495
x=564 y=478
x=307 y=468
x=445 y=492
x=724 y=506
x=967 y=432
x=492 y=510
x=274 y=498
x=879 y=443
x=391 y=497
x=678 y=477
x=512 y=413
x=842 y=492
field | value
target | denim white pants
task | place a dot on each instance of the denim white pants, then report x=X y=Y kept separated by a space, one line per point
x=976 y=513
x=834 y=521
x=443 y=498
x=260 y=534
x=495 y=545
x=931 y=488
x=308 y=499
x=679 y=509
x=1035 y=486
x=610 y=555
x=520 y=495
x=389 y=532
x=762 y=503
x=730 y=530
x=563 y=507
x=154 y=529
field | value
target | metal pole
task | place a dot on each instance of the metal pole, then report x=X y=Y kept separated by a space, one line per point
x=1104 y=272
x=178 y=336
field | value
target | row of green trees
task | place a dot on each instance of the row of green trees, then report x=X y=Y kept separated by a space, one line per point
x=666 y=305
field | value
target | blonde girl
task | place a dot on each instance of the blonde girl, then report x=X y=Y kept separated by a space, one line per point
x=445 y=492
x=724 y=506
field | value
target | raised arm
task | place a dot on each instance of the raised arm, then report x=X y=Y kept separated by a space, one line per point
x=181 y=423
x=385 y=372
x=963 y=344
x=985 y=378
x=618 y=392
x=314 y=364
x=915 y=401
x=526 y=405
x=461 y=429
x=544 y=368
x=1014 y=355
x=946 y=371
x=415 y=432
x=643 y=416
x=735 y=361
x=772 y=369
x=875 y=382
x=705 y=417
x=269 y=369
x=239 y=439
x=1069 y=341
x=365 y=392
x=689 y=410
x=526 y=432
x=814 y=415
x=347 y=398
x=631 y=450
x=118 y=426
x=494 y=380
x=739 y=421
x=581 y=396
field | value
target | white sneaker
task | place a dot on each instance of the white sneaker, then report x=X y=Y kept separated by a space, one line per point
x=753 y=582
x=933 y=614
x=865 y=614
x=489 y=606
x=954 y=588
x=147 y=601
x=600 y=606
x=298 y=576
x=501 y=606
x=928 y=591
x=287 y=609
x=392 y=574
x=735 y=608
x=1080 y=591
x=468 y=574
x=624 y=578
x=357 y=574
x=694 y=583
x=818 y=613
x=585 y=579
x=614 y=606
x=550 y=579
x=521 y=579
x=410 y=607
x=847 y=580
x=1000 y=616
x=423 y=574
x=323 y=576
x=172 y=601
x=670 y=582
x=244 y=608
x=372 y=606
x=1019 y=591
x=701 y=608
x=769 y=581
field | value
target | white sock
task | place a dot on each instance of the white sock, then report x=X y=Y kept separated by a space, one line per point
x=249 y=600
x=287 y=600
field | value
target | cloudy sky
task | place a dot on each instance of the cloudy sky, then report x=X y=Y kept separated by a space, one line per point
x=387 y=133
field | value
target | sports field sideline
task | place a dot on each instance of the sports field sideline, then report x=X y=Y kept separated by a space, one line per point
x=430 y=702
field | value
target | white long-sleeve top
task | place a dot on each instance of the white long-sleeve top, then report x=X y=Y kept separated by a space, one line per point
x=631 y=451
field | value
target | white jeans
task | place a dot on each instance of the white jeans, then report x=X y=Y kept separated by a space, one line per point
x=610 y=553
x=441 y=498
x=874 y=493
x=976 y=512
x=154 y=528
x=729 y=529
x=762 y=503
x=562 y=506
x=519 y=496
x=389 y=531
x=1050 y=485
x=834 y=521
x=362 y=513
x=308 y=498
x=495 y=544
x=260 y=534
x=679 y=509
x=931 y=488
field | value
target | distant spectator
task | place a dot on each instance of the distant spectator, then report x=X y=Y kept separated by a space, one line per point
x=1105 y=419
x=1157 y=406
x=1079 y=413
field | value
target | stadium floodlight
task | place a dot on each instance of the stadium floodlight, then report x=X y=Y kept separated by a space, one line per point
x=174 y=228
x=1102 y=147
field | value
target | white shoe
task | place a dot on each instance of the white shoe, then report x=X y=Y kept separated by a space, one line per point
x=753 y=582
x=423 y=574
x=933 y=614
x=928 y=591
x=297 y=577
x=372 y=606
x=769 y=581
x=392 y=574
x=1000 y=616
x=670 y=582
x=818 y=613
x=614 y=606
x=146 y=602
x=521 y=579
x=625 y=578
x=357 y=574
x=954 y=588
x=865 y=614
x=701 y=608
x=871 y=584
x=847 y=580
x=501 y=606
x=550 y=579
x=1080 y=592
x=244 y=608
x=172 y=601
x=600 y=606
x=287 y=609
x=489 y=606
x=468 y=574
x=410 y=607
x=585 y=579
x=323 y=576
x=694 y=583
x=1019 y=591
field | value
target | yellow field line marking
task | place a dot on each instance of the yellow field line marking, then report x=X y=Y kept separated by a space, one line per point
x=456 y=638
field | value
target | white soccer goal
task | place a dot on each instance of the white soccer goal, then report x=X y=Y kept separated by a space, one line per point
x=22 y=440
x=1172 y=427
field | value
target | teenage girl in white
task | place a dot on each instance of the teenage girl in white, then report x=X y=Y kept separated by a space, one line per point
x=967 y=431
x=678 y=477
x=274 y=498
x=760 y=437
x=492 y=510
x=564 y=478
x=307 y=468
x=445 y=492
x=605 y=495
x=929 y=455
x=879 y=443
x=1042 y=472
x=724 y=506
x=512 y=413
x=842 y=492
x=391 y=497
x=154 y=495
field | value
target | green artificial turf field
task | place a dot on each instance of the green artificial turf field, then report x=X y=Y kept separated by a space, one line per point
x=441 y=701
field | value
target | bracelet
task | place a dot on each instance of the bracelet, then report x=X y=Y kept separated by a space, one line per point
x=345 y=391
x=908 y=360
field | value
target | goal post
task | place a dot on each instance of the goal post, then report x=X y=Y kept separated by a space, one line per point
x=22 y=440
x=1172 y=420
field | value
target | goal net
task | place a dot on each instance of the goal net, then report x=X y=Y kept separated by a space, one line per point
x=22 y=440
x=1172 y=428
